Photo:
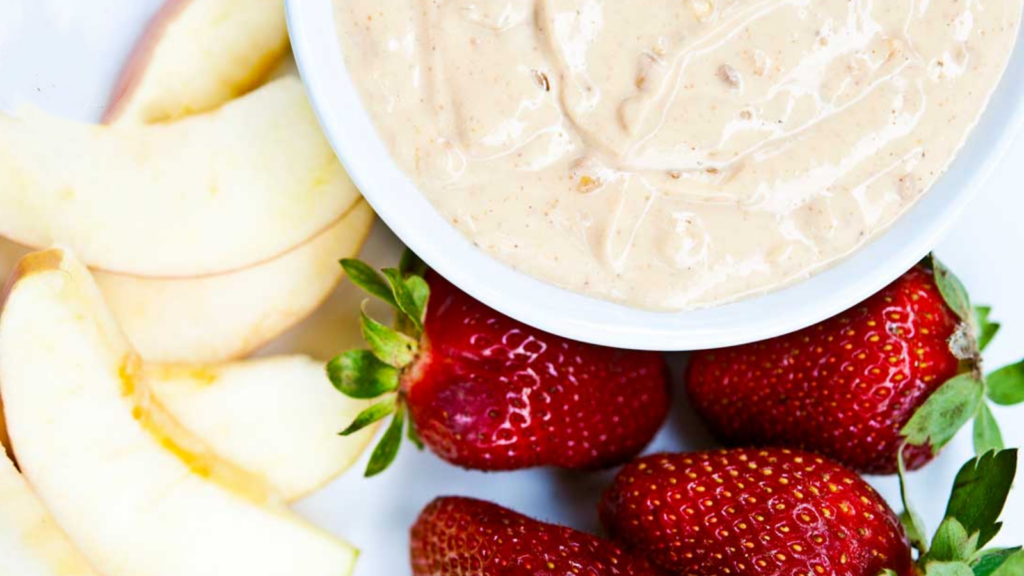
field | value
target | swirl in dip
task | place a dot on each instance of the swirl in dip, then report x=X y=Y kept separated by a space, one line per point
x=672 y=154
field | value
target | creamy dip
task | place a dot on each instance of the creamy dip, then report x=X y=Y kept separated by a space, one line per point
x=672 y=154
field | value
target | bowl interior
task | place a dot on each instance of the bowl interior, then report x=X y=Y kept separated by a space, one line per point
x=412 y=217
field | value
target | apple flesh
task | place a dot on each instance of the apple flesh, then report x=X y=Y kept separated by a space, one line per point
x=31 y=543
x=224 y=317
x=208 y=194
x=229 y=406
x=276 y=417
x=227 y=316
x=196 y=55
x=134 y=491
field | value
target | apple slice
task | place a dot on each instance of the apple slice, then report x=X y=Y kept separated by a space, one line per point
x=223 y=317
x=135 y=492
x=302 y=450
x=197 y=54
x=276 y=417
x=31 y=543
x=227 y=316
x=211 y=193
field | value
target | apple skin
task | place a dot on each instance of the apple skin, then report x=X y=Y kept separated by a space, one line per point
x=171 y=73
x=125 y=88
x=112 y=466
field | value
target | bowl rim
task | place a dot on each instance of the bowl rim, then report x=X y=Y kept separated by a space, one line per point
x=416 y=222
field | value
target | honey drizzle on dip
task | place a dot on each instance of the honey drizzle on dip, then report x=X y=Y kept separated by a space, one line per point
x=674 y=154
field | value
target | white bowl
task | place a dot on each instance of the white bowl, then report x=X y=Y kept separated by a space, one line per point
x=413 y=218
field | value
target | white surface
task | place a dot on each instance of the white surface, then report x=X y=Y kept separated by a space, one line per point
x=64 y=54
x=412 y=217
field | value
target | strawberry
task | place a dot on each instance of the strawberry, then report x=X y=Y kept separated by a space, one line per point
x=466 y=537
x=777 y=512
x=903 y=368
x=487 y=392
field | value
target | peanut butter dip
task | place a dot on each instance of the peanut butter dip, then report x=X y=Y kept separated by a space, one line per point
x=673 y=154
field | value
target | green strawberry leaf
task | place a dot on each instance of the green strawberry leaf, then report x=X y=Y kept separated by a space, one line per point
x=988 y=561
x=386 y=451
x=413 y=307
x=420 y=291
x=987 y=437
x=888 y=572
x=952 y=543
x=410 y=264
x=952 y=290
x=945 y=412
x=980 y=491
x=389 y=345
x=1006 y=385
x=911 y=520
x=948 y=569
x=414 y=435
x=375 y=413
x=359 y=374
x=1012 y=566
x=368 y=279
x=987 y=329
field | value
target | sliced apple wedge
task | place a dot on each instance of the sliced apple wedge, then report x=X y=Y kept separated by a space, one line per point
x=276 y=417
x=137 y=494
x=223 y=317
x=226 y=316
x=211 y=193
x=197 y=54
x=31 y=543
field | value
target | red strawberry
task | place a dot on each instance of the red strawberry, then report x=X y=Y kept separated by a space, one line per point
x=777 y=512
x=754 y=512
x=857 y=386
x=490 y=393
x=465 y=537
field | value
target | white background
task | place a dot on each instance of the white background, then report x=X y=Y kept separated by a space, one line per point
x=63 y=56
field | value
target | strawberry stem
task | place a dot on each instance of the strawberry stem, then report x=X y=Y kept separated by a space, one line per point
x=910 y=519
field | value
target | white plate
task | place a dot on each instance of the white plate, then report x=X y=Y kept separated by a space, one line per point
x=398 y=202
x=63 y=55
